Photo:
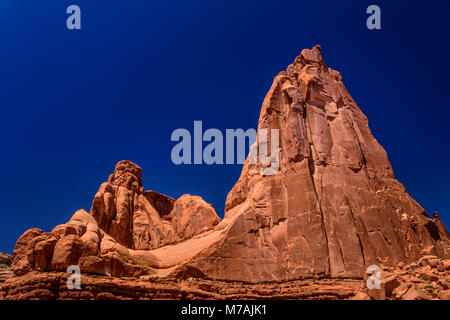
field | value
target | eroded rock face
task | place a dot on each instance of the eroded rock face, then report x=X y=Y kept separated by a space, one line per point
x=334 y=207
x=124 y=221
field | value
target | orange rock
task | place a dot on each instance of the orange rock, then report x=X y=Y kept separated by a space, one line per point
x=428 y=275
x=428 y=260
x=361 y=296
x=398 y=292
x=20 y=264
x=414 y=294
x=92 y=264
x=446 y=265
x=334 y=207
x=191 y=215
x=390 y=283
x=66 y=252
x=444 y=295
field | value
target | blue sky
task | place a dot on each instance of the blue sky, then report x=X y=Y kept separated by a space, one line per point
x=73 y=103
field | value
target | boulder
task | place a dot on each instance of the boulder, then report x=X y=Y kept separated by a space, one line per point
x=191 y=215
x=444 y=295
x=390 y=283
x=414 y=294
x=66 y=252
x=361 y=296
x=428 y=275
x=400 y=291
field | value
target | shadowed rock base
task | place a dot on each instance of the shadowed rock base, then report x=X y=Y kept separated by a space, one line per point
x=426 y=280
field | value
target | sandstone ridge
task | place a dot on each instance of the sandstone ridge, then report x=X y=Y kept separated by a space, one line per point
x=333 y=208
x=121 y=234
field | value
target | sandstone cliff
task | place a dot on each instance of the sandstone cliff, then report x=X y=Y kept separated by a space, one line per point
x=333 y=209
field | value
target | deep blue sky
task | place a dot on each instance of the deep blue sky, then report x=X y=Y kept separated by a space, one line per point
x=73 y=103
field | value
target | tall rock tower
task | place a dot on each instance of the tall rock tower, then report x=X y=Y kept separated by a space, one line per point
x=334 y=207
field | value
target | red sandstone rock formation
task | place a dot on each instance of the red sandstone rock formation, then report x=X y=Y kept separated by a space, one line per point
x=124 y=221
x=333 y=209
